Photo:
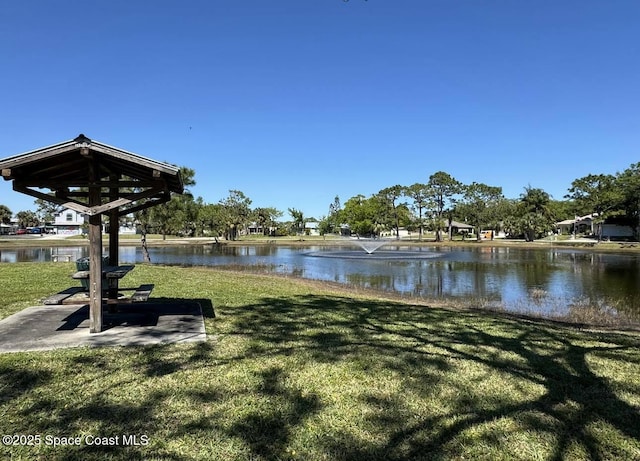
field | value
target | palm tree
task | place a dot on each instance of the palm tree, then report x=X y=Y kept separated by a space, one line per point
x=298 y=219
x=538 y=216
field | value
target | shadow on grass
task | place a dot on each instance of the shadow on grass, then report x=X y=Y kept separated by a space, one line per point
x=426 y=346
x=343 y=379
x=267 y=433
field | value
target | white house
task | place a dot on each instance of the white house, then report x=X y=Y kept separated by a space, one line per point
x=615 y=228
x=311 y=228
x=582 y=225
x=7 y=229
x=611 y=228
x=68 y=222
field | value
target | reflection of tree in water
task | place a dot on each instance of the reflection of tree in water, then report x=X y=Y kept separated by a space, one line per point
x=376 y=282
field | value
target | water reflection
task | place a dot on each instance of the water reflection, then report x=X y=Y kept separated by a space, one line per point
x=536 y=280
x=42 y=254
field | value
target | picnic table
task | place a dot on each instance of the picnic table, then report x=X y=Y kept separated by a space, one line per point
x=113 y=274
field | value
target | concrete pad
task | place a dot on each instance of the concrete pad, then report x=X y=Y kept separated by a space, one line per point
x=53 y=327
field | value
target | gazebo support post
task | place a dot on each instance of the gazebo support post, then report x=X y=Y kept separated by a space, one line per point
x=95 y=274
x=114 y=225
x=114 y=243
x=95 y=254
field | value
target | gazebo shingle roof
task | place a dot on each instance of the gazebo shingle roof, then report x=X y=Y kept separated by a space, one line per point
x=64 y=169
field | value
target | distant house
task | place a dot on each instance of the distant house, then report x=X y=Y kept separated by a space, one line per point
x=10 y=228
x=615 y=229
x=345 y=230
x=611 y=228
x=311 y=228
x=579 y=225
x=258 y=229
x=460 y=227
x=402 y=233
x=6 y=229
x=566 y=226
x=68 y=222
x=255 y=229
x=127 y=226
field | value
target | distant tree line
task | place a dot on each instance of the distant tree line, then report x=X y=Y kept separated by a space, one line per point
x=442 y=199
x=432 y=205
x=192 y=217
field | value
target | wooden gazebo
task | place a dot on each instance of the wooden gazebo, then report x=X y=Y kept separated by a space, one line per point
x=94 y=179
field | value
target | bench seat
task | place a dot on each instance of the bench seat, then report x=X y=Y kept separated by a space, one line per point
x=61 y=297
x=78 y=295
x=142 y=293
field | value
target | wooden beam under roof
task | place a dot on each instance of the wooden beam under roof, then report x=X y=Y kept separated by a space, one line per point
x=148 y=204
x=56 y=183
x=66 y=202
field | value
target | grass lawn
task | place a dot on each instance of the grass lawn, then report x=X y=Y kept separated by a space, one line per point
x=301 y=370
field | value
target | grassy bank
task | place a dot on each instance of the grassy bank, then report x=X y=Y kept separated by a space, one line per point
x=301 y=370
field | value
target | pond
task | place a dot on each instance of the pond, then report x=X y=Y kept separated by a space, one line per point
x=546 y=281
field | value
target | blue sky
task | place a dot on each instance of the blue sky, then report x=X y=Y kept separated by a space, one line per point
x=296 y=101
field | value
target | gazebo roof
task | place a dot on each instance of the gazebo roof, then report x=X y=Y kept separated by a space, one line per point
x=66 y=168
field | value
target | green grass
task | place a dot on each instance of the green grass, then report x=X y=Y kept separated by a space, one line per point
x=301 y=370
